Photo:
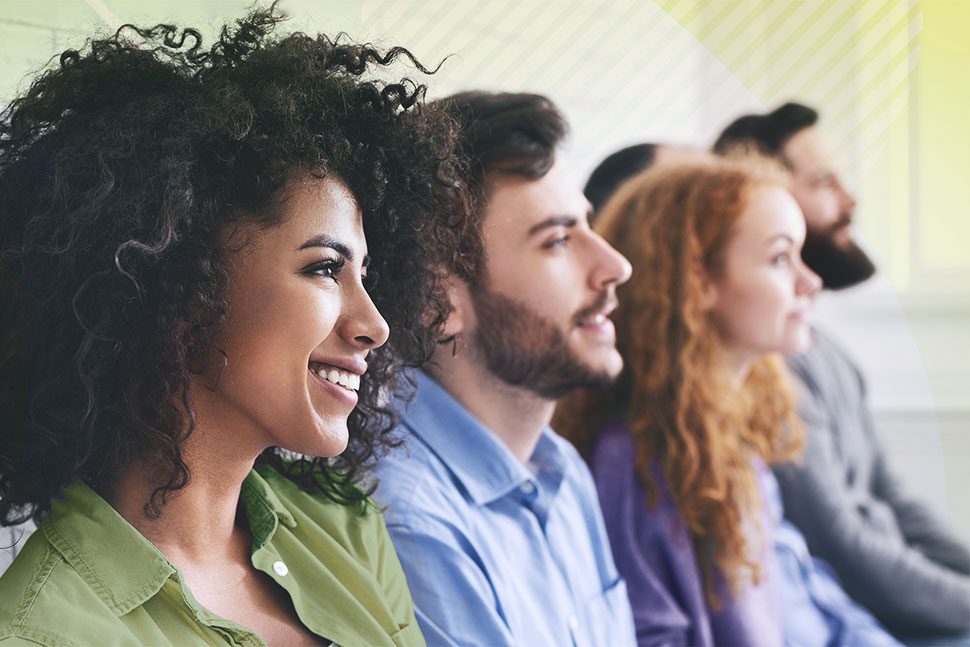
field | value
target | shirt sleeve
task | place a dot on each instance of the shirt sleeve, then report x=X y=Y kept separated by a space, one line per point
x=898 y=583
x=391 y=577
x=920 y=525
x=454 y=600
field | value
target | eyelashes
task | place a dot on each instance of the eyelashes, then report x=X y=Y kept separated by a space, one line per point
x=329 y=268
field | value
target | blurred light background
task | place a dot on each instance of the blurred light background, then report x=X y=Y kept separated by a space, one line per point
x=891 y=79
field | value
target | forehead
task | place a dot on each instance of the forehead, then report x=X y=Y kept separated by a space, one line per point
x=771 y=212
x=806 y=148
x=515 y=204
x=312 y=205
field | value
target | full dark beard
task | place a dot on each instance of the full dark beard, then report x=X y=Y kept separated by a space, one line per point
x=839 y=266
x=522 y=349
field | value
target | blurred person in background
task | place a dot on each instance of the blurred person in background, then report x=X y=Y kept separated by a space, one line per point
x=892 y=552
x=678 y=445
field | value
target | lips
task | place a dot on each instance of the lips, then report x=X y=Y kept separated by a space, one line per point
x=597 y=314
x=349 y=380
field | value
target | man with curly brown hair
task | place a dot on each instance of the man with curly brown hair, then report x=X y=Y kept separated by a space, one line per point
x=494 y=516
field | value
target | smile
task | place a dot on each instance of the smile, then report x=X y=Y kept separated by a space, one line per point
x=349 y=381
x=595 y=320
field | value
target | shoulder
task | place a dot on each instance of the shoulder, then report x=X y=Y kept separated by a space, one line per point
x=40 y=586
x=414 y=486
x=825 y=361
x=613 y=450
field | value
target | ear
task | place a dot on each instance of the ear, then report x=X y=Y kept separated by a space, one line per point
x=710 y=294
x=460 y=298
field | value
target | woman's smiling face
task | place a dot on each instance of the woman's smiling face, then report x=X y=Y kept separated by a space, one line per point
x=299 y=326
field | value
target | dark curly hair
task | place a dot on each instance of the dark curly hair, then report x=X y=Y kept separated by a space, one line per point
x=121 y=169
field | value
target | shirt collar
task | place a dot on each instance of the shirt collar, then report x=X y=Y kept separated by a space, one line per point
x=119 y=564
x=486 y=468
x=264 y=510
x=122 y=567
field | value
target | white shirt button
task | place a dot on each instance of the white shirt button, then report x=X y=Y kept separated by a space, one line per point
x=527 y=488
x=280 y=568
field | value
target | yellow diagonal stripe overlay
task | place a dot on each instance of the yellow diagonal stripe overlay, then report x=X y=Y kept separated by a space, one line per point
x=890 y=78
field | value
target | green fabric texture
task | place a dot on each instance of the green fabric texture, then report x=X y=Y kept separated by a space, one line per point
x=87 y=577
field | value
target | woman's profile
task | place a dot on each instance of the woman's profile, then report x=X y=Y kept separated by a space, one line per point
x=679 y=445
x=217 y=256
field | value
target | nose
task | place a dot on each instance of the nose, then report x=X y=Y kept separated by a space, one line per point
x=846 y=200
x=363 y=326
x=608 y=266
x=808 y=283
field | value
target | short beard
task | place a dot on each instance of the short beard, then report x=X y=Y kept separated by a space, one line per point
x=839 y=266
x=524 y=350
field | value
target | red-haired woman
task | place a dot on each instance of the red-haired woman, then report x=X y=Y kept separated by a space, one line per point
x=679 y=445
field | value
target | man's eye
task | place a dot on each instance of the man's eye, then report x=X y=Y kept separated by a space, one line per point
x=558 y=242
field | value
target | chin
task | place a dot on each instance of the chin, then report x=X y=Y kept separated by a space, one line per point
x=328 y=439
x=609 y=367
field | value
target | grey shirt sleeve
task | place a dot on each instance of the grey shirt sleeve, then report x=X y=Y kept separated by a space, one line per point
x=920 y=525
x=855 y=515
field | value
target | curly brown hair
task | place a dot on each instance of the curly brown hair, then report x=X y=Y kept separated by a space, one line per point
x=121 y=169
x=683 y=408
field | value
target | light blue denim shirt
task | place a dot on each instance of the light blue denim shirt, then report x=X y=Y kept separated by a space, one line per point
x=815 y=609
x=497 y=552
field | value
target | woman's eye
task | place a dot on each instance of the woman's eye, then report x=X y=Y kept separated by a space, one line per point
x=328 y=269
x=781 y=259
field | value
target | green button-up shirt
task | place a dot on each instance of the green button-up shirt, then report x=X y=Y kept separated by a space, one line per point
x=87 y=577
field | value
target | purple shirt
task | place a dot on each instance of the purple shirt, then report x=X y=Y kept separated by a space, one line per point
x=655 y=555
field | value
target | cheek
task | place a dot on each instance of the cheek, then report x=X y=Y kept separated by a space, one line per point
x=757 y=309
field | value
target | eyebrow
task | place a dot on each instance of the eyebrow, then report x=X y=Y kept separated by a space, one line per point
x=323 y=240
x=772 y=240
x=554 y=221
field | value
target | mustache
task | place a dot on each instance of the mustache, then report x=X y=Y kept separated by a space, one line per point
x=844 y=221
x=605 y=300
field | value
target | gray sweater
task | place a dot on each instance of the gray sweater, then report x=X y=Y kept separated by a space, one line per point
x=893 y=554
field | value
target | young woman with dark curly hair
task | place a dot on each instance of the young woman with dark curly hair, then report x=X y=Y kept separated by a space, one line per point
x=205 y=250
x=678 y=446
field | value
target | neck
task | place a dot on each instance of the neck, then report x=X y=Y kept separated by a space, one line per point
x=738 y=364
x=515 y=415
x=198 y=523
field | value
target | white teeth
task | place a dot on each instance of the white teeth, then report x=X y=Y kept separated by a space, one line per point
x=346 y=380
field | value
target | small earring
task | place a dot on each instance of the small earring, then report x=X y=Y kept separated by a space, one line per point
x=454 y=345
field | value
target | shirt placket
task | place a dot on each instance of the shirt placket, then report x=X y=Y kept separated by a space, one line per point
x=537 y=498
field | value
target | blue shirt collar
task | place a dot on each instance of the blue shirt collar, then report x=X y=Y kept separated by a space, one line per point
x=481 y=462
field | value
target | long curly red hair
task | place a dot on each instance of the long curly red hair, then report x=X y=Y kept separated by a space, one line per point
x=682 y=406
